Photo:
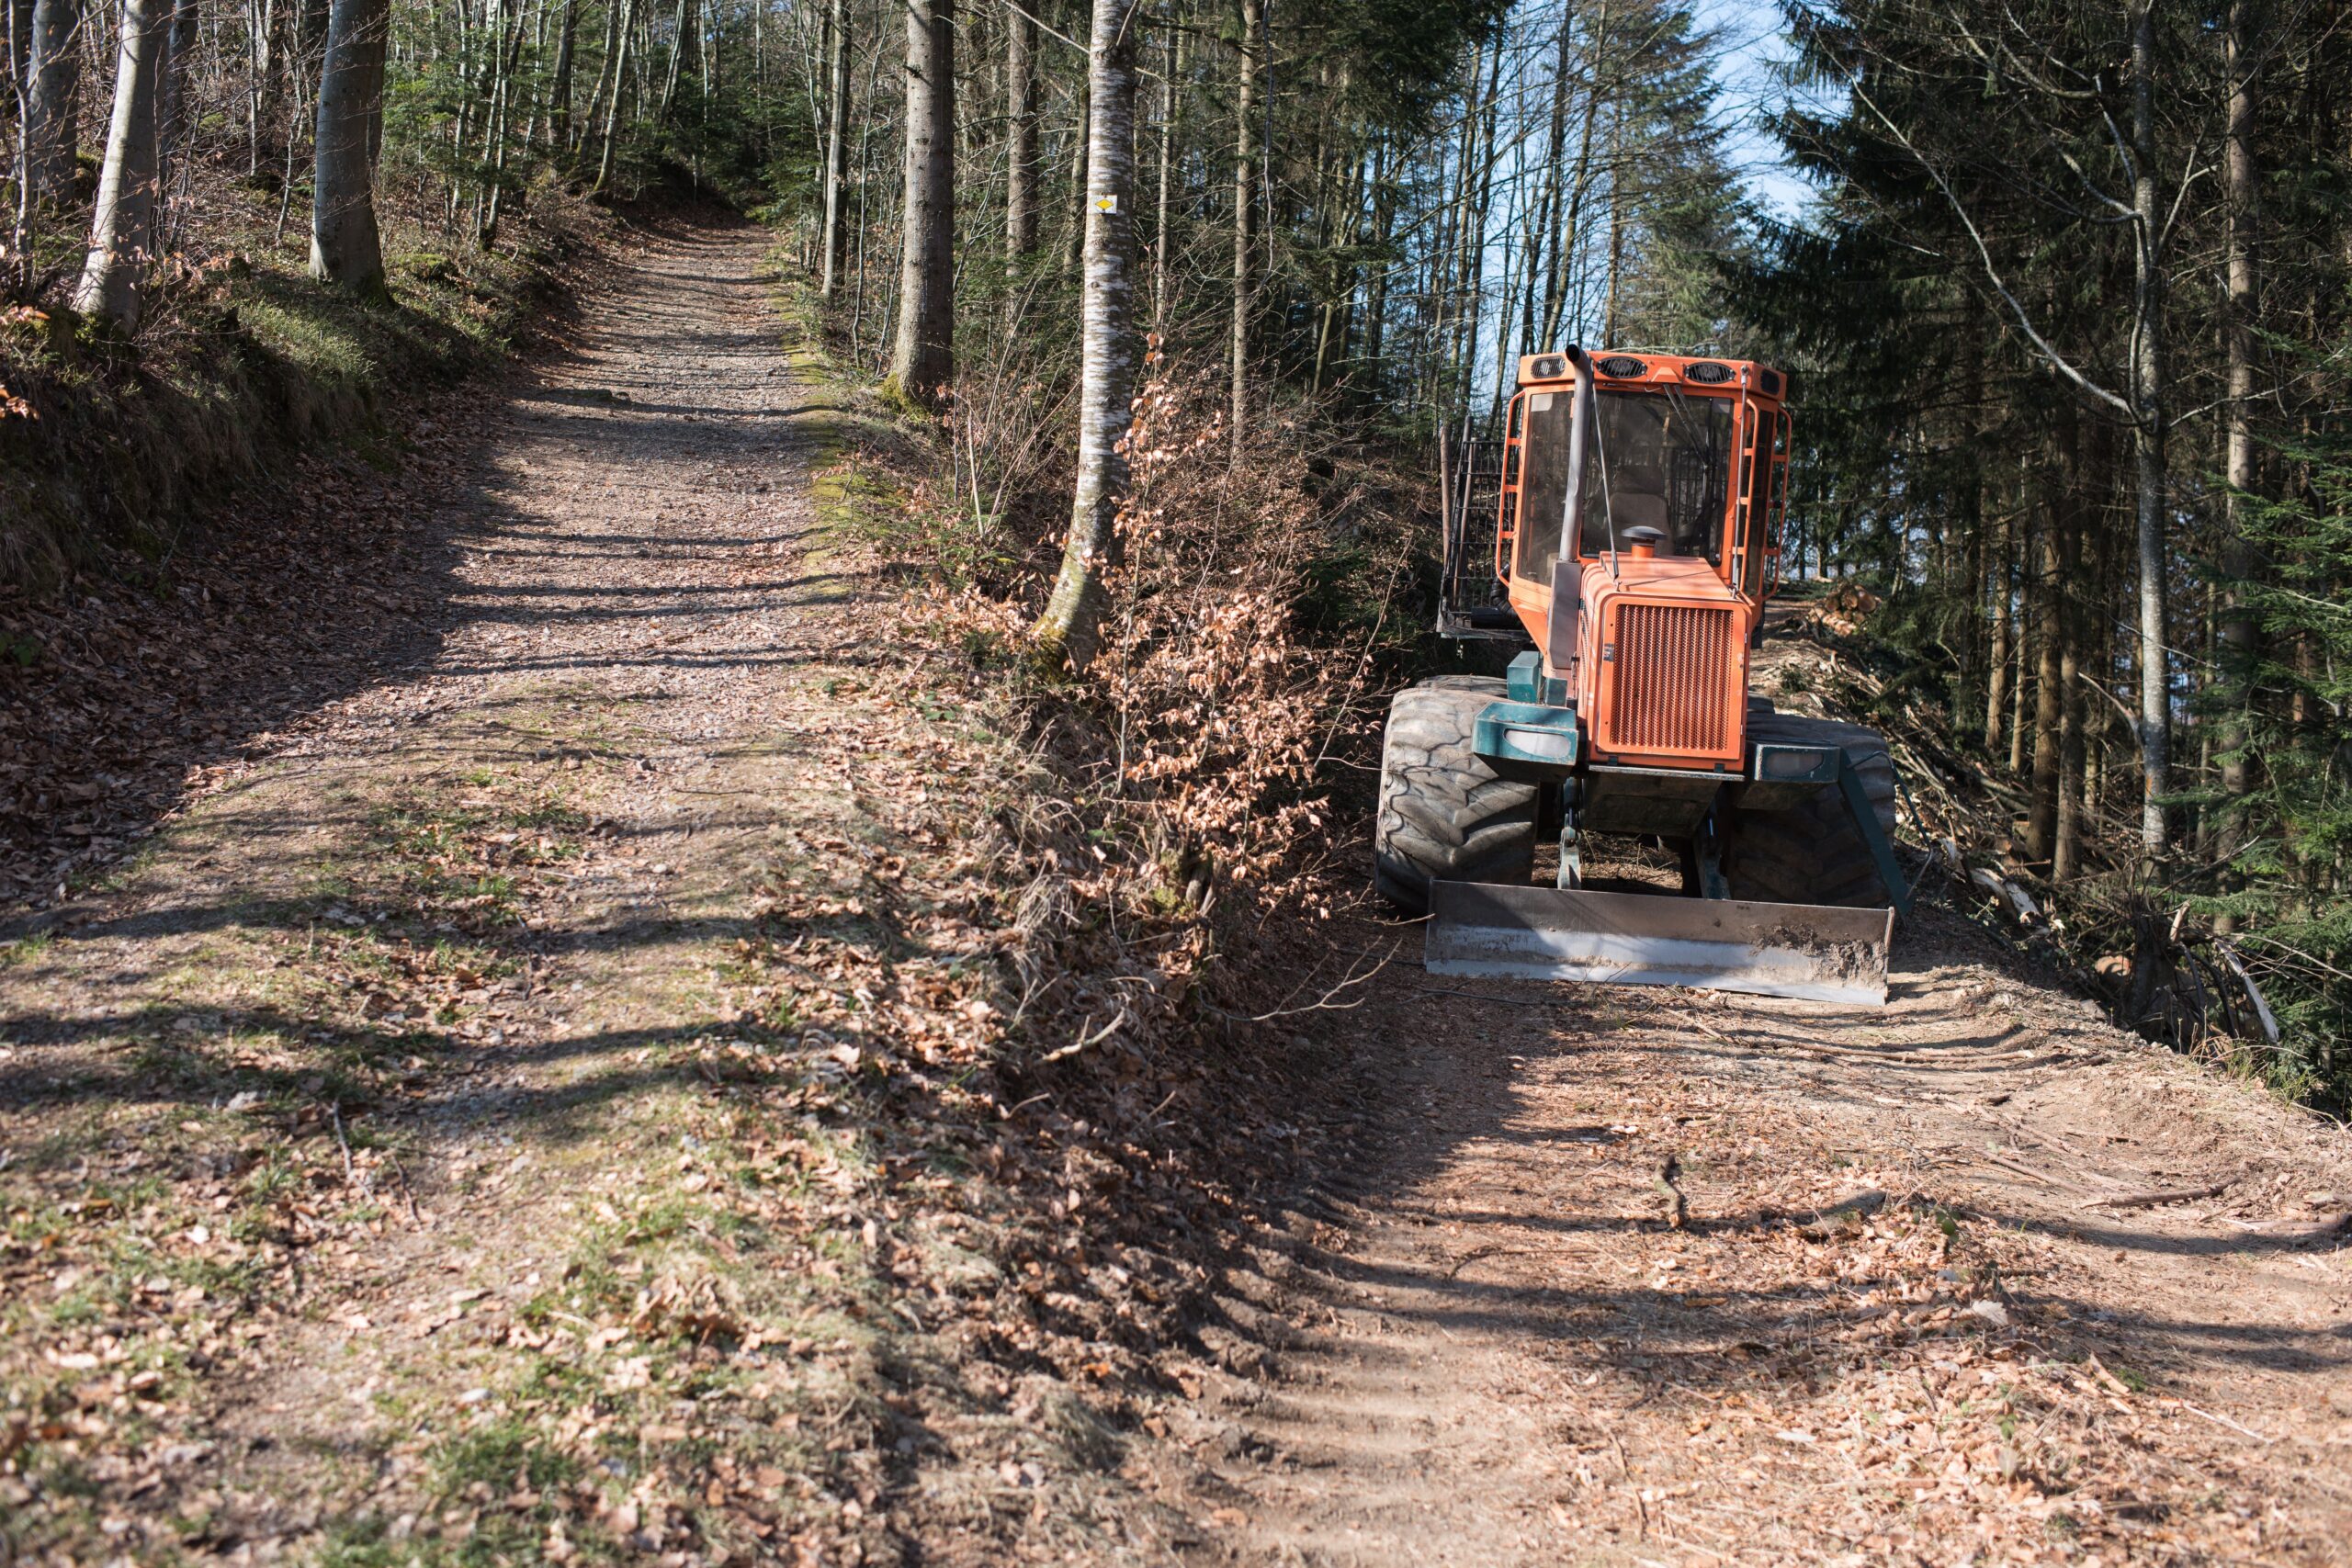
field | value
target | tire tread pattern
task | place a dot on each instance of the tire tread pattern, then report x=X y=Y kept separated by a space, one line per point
x=1812 y=854
x=1443 y=814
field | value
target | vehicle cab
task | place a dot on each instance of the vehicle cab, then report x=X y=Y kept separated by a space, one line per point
x=1645 y=596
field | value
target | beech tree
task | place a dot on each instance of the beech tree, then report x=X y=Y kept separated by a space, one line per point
x=923 y=356
x=834 y=239
x=1108 y=338
x=122 y=226
x=53 y=106
x=346 y=245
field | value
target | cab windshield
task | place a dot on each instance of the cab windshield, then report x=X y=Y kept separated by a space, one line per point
x=1666 y=457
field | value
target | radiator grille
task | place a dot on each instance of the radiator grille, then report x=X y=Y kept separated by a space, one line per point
x=1672 y=663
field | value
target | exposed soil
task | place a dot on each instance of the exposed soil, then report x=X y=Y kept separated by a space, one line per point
x=1641 y=1276
x=535 y=1096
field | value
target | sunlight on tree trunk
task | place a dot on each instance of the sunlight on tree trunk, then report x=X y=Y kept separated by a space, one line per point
x=2240 y=634
x=922 y=357
x=345 y=247
x=1244 y=154
x=1107 y=381
x=1020 y=138
x=560 y=91
x=834 y=239
x=621 y=52
x=2148 y=438
x=122 y=227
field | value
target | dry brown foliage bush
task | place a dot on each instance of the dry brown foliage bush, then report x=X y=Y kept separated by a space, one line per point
x=1193 y=758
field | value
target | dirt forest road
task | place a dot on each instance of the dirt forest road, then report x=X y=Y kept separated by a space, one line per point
x=1908 y=1291
x=373 y=1140
x=432 y=1145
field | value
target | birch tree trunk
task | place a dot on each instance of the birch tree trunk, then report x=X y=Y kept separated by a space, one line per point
x=922 y=356
x=52 y=100
x=2149 y=430
x=122 y=226
x=836 y=234
x=1244 y=209
x=345 y=247
x=1071 y=624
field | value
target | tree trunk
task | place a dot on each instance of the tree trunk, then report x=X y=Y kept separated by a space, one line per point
x=52 y=100
x=1074 y=237
x=1244 y=211
x=560 y=91
x=1554 y=233
x=1106 y=381
x=2241 y=649
x=18 y=25
x=1174 y=61
x=681 y=29
x=1996 y=666
x=605 y=63
x=923 y=357
x=622 y=49
x=122 y=227
x=2088 y=475
x=835 y=238
x=2149 y=416
x=1020 y=127
x=2049 y=681
x=345 y=247
x=172 y=116
x=2021 y=534
x=1376 y=292
x=1610 y=326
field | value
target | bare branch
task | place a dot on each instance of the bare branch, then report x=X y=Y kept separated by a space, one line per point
x=1992 y=270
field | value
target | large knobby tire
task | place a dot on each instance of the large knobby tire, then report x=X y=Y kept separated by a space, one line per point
x=1814 y=853
x=1443 y=814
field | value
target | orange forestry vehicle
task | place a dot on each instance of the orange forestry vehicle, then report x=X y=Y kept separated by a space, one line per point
x=1638 y=538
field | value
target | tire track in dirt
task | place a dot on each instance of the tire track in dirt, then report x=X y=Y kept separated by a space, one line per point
x=1501 y=1350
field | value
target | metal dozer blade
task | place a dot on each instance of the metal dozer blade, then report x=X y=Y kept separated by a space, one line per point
x=1812 y=952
